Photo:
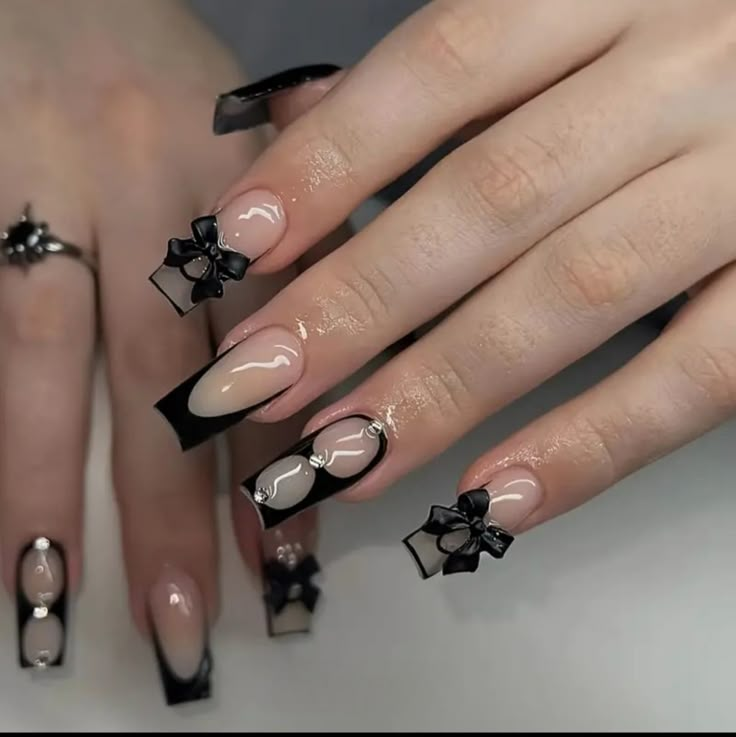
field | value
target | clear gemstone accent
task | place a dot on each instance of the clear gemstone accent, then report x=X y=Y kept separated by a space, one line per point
x=41 y=543
x=374 y=429
x=42 y=661
x=317 y=461
x=40 y=612
x=261 y=496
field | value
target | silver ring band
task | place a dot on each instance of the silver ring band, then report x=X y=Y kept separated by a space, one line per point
x=28 y=242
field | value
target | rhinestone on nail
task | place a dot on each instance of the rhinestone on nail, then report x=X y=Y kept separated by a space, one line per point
x=40 y=612
x=41 y=543
x=42 y=661
x=261 y=496
x=317 y=461
x=374 y=429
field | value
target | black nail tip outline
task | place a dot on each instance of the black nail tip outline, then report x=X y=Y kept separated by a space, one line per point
x=222 y=264
x=179 y=690
x=192 y=429
x=247 y=107
x=279 y=597
x=467 y=514
x=24 y=608
x=325 y=485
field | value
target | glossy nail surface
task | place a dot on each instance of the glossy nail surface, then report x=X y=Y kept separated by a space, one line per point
x=197 y=268
x=514 y=493
x=246 y=107
x=453 y=539
x=253 y=223
x=41 y=581
x=180 y=635
x=237 y=382
x=319 y=466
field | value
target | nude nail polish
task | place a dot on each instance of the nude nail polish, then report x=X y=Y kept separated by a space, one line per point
x=481 y=521
x=237 y=382
x=41 y=604
x=253 y=223
x=319 y=466
x=179 y=625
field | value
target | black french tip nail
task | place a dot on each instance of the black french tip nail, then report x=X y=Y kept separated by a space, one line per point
x=178 y=690
x=319 y=466
x=41 y=598
x=192 y=429
x=290 y=595
x=453 y=538
x=247 y=107
x=196 y=269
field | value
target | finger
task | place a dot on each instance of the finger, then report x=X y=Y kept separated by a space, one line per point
x=432 y=69
x=524 y=326
x=46 y=342
x=165 y=499
x=676 y=389
x=396 y=275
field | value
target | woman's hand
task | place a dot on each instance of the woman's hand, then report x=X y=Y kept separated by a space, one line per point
x=106 y=133
x=595 y=182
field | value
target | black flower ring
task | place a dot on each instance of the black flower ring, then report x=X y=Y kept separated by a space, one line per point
x=222 y=263
x=466 y=517
x=290 y=584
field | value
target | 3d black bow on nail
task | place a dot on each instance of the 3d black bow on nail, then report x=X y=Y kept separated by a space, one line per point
x=222 y=262
x=465 y=522
x=286 y=585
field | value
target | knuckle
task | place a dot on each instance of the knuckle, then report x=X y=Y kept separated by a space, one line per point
x=132 y=118
x=327 y=156
x=366 y=295
x=591 y=275
x=711 y=370
x=598 y=440
x=510 y=185
x=46 y=313
x=447 y=49
x=444 y=392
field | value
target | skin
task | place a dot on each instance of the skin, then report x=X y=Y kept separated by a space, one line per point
x=595 y=181
x=117 y=156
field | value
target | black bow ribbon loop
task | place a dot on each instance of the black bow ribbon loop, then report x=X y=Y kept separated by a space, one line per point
x=466 y=520
x=287 y=585
x=222 y=263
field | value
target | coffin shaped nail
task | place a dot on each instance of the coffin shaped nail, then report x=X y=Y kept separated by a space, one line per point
x=196 y=268
x=237 y=382
x=41 y=583
x=247 y=107
x=453 y=538
x=180 y=638
x=319 y=466
x=290 y=595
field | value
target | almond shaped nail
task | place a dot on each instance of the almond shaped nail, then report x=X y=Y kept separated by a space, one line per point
x=247 y=376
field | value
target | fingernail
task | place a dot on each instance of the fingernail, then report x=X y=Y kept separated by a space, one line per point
x=237 y=382
x=41 y=604
x=197 y=267
x=453 y=539
x=180 y=637
x=253 y=223
x=247 y=107
x=290 y=594
x=319 y=466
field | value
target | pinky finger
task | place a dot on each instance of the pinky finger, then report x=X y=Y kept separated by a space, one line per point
x=678 y=388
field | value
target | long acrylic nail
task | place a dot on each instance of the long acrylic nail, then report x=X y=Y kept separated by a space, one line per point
x=247 y=107
x=180 y=637
x=41 y=581
x=245 y=377
x=289 y=566
x=453 y=538
x=319 y=466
